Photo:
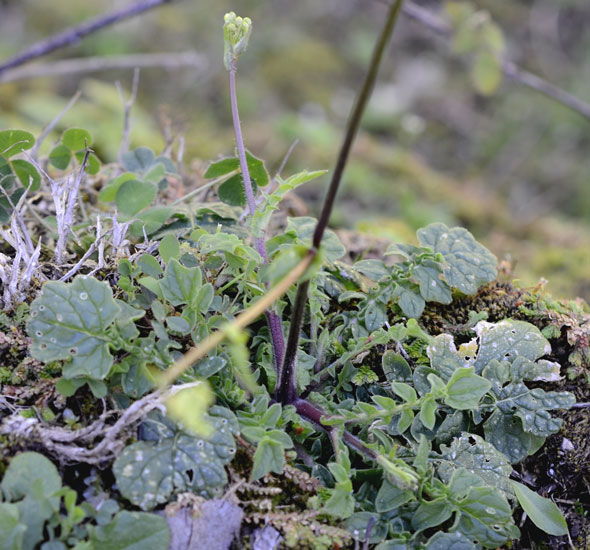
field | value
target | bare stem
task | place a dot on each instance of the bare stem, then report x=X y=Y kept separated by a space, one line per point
x=75 y=34
x=287 y=388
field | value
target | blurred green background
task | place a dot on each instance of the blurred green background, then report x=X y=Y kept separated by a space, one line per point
x=511 y=167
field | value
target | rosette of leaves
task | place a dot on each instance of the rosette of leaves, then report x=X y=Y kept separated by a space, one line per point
x=134 y=191
x=16 y=175
x=169 y=460
x=449 y=259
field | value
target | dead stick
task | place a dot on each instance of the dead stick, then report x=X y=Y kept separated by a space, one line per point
x=510 y=69
x=75 y=34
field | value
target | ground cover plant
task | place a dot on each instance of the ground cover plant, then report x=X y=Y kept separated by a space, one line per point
x=173 y=364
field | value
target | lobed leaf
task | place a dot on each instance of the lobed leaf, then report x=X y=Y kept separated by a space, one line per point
x=71 y=321
x=170 y=461
x=468 y=263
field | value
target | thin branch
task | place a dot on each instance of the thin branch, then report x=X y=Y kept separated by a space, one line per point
x=47 y=130
x=127 y=106
x=74 y=34
x=287 y=387
x=91 y=249
x=510 y=69
x=172 y=60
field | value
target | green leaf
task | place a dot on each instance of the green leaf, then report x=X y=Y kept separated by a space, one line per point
x=262 y=217
x=282 y=264
x=151 y=220
x=138 y=160
x=179 y=325
x=443 y=356
x=180 y=285
x=15 y=141
x=391 y=497
x=132 y=531
x=505 y=432
x=465 y=389
x=486 y=72
x=478 y=457
x=60 y=157
x=431 y=513
x=32 y=479
x=450 y=541
x=135 y=195
x=304 y=227
x=341 y=502
x=269 y=457
x=11 y=529
x=232 y=191
x=428 y=276
x=468 y=263
x=149 y=265
x=486 y=517
x=169 y=248
x=257 y=170
x=376 y=270
x=543 y=512
x=155 y=174
x=171 y=461
x=69 y=387
x=24 y=471
x=27 y=174
x=395 y=367
x=92 y=162
x=375 y=316
x=411 y=303
x=405 y=391
x=507 y=340
x=76 y=138
x=222 y=167
x=109 y=191
x=428 y=412
x=71 y=320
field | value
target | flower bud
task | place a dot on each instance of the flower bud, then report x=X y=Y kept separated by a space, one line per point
x=236 y=33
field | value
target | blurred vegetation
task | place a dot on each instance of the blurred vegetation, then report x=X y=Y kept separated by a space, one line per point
x=511 y=167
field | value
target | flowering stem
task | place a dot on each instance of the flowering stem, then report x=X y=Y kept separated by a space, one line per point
x=239 y=139
x=274 y=323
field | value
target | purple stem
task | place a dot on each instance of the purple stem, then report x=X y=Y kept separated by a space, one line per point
x=241 y=151
x=311 y=412
x=274 y=323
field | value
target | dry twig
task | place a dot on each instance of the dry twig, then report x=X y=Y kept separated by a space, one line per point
x=74 y=34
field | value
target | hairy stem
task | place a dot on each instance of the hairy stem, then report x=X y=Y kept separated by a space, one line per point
x=287 y=389
x=305 y=409
x=240 y=141
x=274 y=323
